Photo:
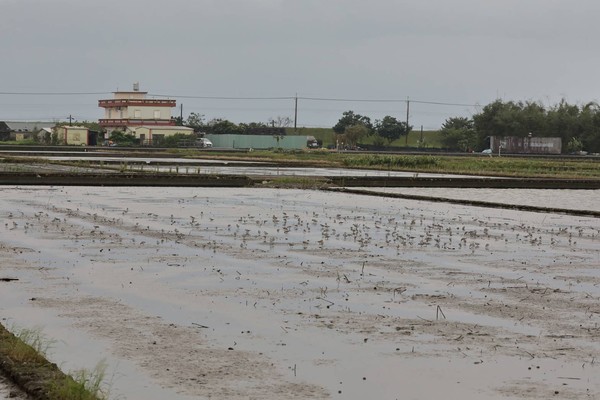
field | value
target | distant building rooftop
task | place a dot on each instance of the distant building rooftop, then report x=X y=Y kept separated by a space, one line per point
x=28 y=126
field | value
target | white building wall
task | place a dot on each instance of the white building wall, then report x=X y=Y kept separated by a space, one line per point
x=147 y=112
x=147 y=132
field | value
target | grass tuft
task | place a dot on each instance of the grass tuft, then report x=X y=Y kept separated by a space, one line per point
x=82 y=385
x=26 y=345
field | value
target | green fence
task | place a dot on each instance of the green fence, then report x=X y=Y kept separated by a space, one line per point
x=258 y=141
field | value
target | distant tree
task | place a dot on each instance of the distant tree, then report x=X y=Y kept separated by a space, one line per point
x=532 y=117
x=252 y=127
x=390 y=129
x=589 y=120
x=349 y=118
x=496 y=119
x=510 y=119
x=54 y=140
x=195 y=121
x=93 y=126
x=354 y=133
x=458 y=134
x=223 y=126
x=574 y=145
x=281 y=122
x=47 y=136
x=563 y=120
x=178 y=120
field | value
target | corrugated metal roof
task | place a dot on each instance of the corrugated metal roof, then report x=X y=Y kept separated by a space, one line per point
x=28 y=126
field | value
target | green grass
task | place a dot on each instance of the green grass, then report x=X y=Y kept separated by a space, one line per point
x=297 y=182
x=83 y=385
x=25 y=345
x=392 y=161
x=481 y=165
x=431 y=140
x=24 y=142
x=522 y=167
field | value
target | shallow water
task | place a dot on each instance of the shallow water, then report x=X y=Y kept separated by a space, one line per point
x=313 y=292
x=552 y=198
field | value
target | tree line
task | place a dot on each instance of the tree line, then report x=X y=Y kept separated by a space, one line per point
x=352 y=127
x=578 y=126
x=275 y=126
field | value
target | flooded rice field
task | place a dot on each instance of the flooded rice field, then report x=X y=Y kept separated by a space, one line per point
x=204 y=166
x=208 y=167
x=550 y=198
x=269 y=294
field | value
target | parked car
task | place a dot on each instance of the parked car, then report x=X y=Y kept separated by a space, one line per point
x=204 y=142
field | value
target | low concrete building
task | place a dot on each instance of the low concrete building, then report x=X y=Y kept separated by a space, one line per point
x=76 y=135
x=152 y=135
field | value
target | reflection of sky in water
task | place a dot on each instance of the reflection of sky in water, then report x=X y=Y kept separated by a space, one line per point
x=186 y=166
x=553 y=198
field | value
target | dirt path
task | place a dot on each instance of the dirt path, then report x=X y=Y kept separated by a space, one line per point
x=240 y=293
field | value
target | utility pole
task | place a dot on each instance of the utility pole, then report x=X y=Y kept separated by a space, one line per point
x=295 y=113
x=70 y=120
x=421 y=141
x=181 y=113
x=407 y=110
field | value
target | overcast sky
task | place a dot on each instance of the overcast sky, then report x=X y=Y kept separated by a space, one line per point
x=461 y=51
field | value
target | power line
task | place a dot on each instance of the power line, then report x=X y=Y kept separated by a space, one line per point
x=54 y=93
x=440 y=103
x=331 y=99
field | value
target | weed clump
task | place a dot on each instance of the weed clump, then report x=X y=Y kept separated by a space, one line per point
x=81 y=385
x=25 y=345
x=391 y=161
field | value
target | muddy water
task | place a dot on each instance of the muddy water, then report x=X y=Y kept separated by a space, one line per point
x=241 y=293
